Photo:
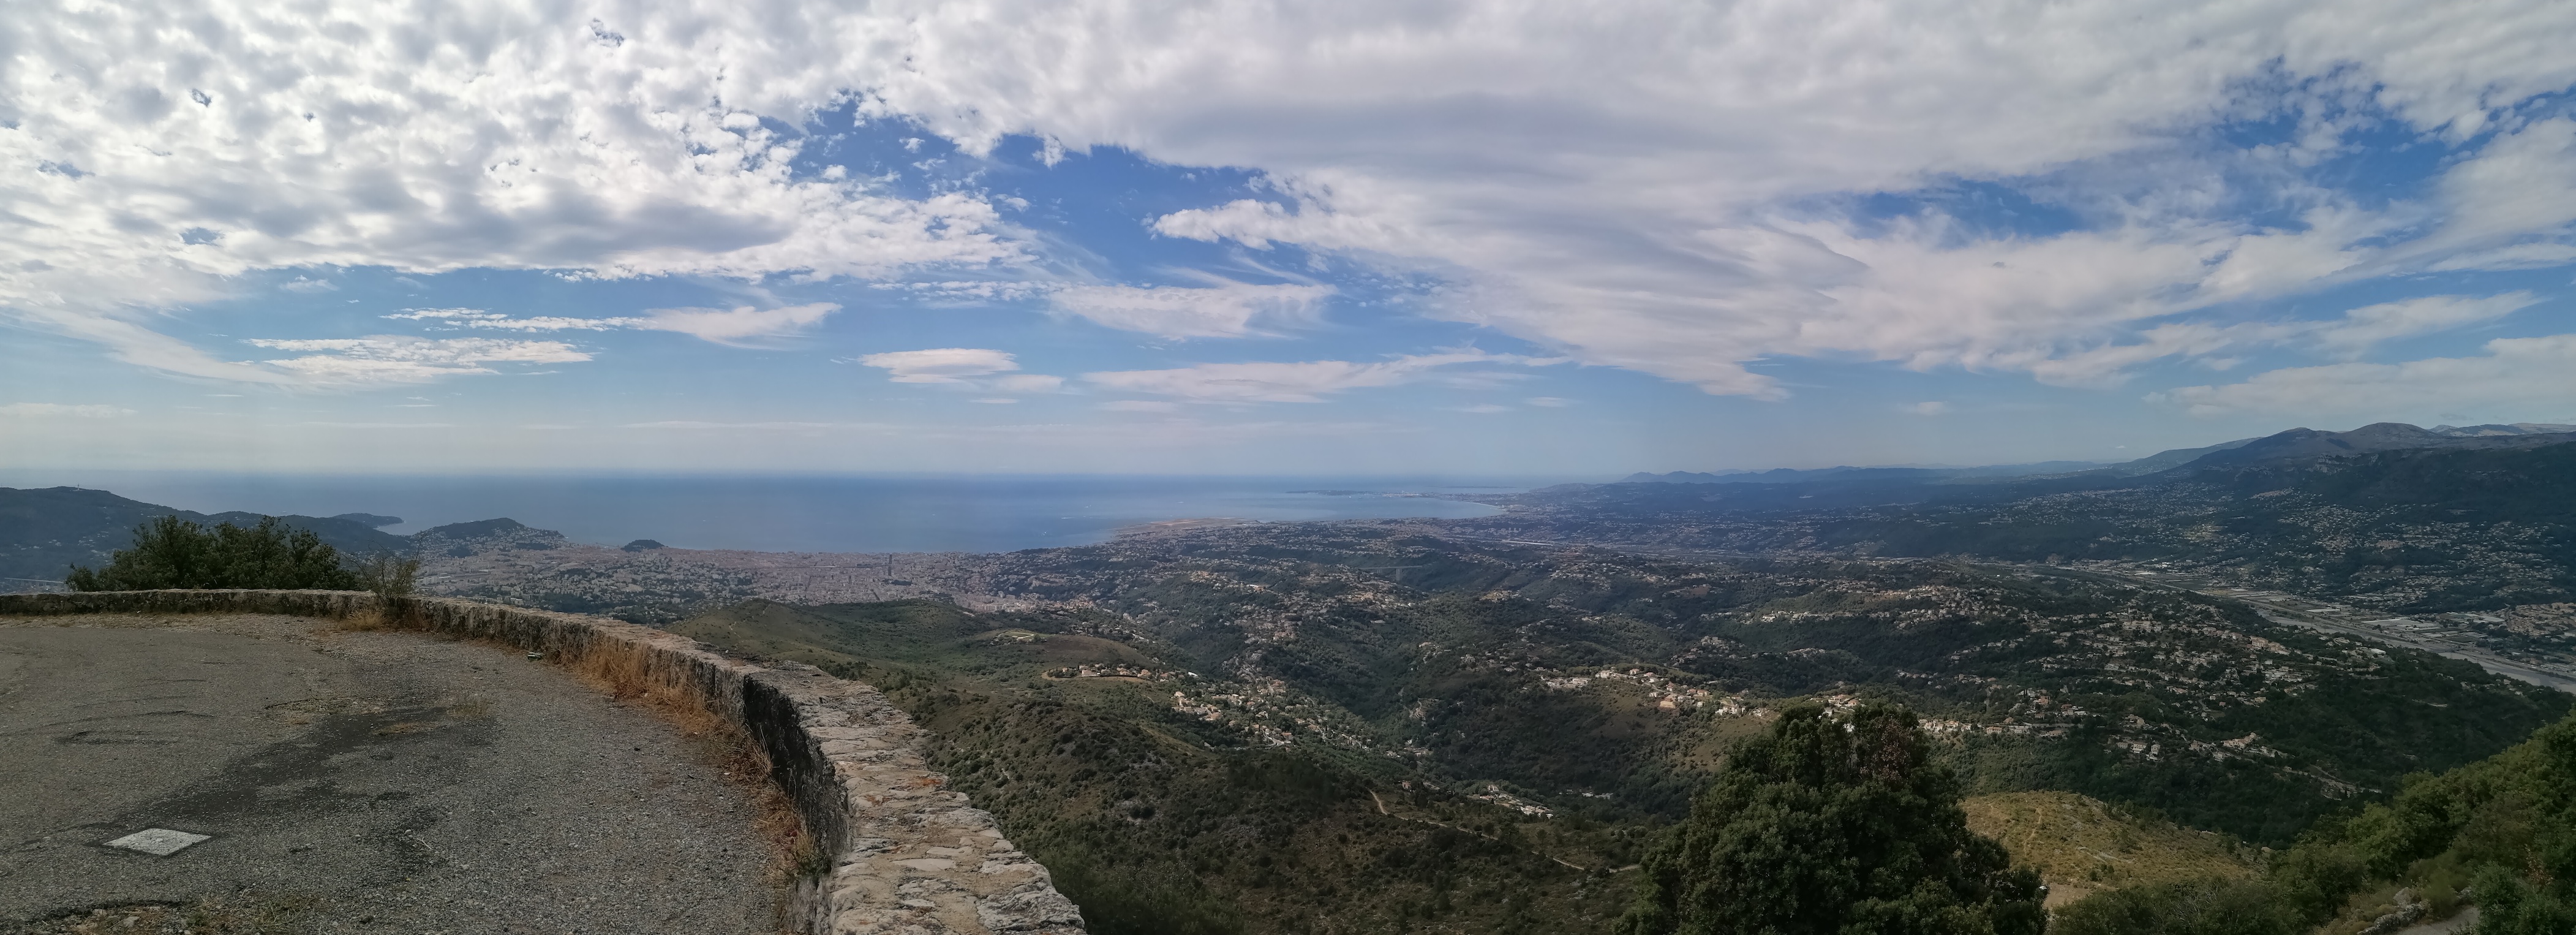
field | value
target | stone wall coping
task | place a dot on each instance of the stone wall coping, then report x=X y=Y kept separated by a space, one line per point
x=907 y=856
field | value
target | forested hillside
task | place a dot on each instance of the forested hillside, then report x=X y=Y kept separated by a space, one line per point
x=2500 y=832
x=1453 y=736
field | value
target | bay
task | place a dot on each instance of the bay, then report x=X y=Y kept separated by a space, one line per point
x=802 y=513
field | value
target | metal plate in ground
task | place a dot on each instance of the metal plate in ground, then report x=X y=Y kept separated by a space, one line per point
x=158 y=842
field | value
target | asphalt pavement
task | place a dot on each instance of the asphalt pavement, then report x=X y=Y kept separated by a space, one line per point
x=329 y=781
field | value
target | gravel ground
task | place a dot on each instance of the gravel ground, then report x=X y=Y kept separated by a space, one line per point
x=351 y=782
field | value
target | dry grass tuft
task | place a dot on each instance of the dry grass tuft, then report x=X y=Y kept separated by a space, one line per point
x=472 y=707
x=365 y=621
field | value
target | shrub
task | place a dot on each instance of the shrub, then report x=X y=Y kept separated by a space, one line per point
x=1833 y=827
x=2191 y=907
x=390 y=577
x=171 y=553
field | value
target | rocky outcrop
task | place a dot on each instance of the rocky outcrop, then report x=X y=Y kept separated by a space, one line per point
x=908 y=856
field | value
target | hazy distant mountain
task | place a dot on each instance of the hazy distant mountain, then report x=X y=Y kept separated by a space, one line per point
x=2176 y=457
x=2304 y=443
x=2391 y=516
x=43 y=532
x=2518 y=428
x=1684 y=477
x=2295 y=443
x=1820 y=475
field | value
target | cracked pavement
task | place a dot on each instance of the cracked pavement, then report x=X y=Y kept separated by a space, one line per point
x=355 y=782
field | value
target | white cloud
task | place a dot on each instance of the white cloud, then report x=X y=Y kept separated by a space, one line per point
x=968 y=290
x=2366 y=326
x=406 y=359
x=1551 y=402
x=561 y=323
x=995 y=401
x=1304 y=382
x=1026 y=383
x=1140 y=405
x=1256 y=223
x=966 y=368
x=740 y=325
x=1648 y=185
x=479 y=318
x=1653 y=185
x=1481 y=408
x=61 y=410
x=941 y=365
x=1224 y=311
x=1932 y=408
x=380 y=425
x=747 y=426
x=151 y=164
x=2527 y=371
x=2517 y=256
x=2356 y=332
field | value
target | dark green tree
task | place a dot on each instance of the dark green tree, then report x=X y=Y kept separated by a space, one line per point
x=171 y=553
x=1830 y=826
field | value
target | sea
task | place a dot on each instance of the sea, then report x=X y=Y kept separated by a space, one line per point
x=804 y=513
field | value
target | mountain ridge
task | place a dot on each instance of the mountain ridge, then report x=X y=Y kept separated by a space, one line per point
x=2289 y=443
x=45 y=531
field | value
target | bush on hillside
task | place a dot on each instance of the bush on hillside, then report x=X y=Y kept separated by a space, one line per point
x=1833 y=827
x=2502 y=829
x=2500 y=832
x=2190 y=907
x=171 y=553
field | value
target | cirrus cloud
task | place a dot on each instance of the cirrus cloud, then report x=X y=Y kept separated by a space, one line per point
x=941 y=364
x=157 y=165
x=390 y=358
x=62 y=410
x=1675 y=188
x=480 y=318
x=1301 y=382
x=1225 y=311
x=739 y=326
x=2516 y=372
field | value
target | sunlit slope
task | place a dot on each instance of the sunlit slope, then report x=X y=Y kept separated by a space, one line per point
x=2082 y=845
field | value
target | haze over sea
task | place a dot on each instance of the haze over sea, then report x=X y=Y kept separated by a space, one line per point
x=800 y=513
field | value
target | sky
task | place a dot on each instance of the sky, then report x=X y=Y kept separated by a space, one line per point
x=1344 y=238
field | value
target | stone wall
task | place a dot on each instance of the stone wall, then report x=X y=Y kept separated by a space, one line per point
x=909 y=857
